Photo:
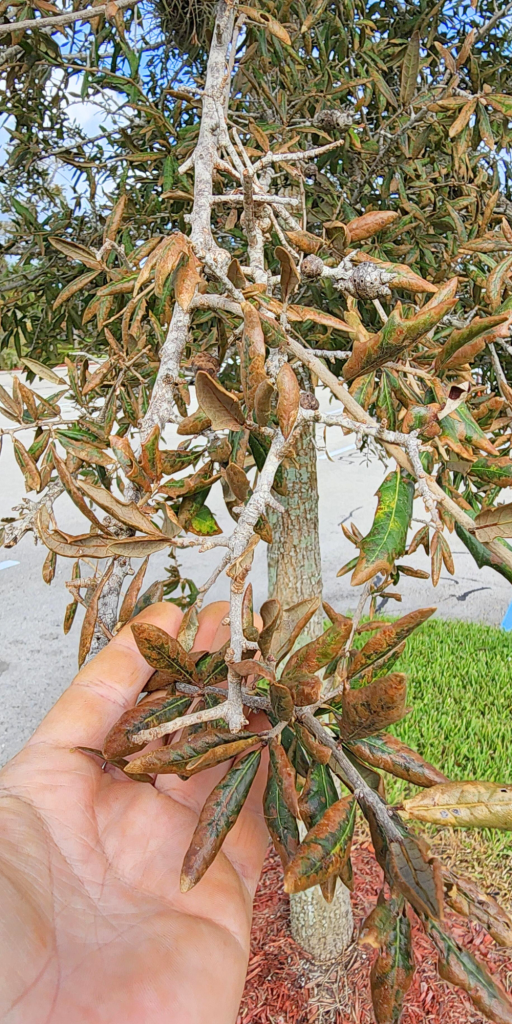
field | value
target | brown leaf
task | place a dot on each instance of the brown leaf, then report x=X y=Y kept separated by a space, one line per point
x=130 y=598
x=263 y=402
x=304 y=688
x=90 y=617
x=292 y=621
x=281 y=701
x=271 y=614
x=464 y=896
x=304 y=241
x=75 y=494
x=373 y=707
x=370 y=223
x=391 y=755
x=98 y=377
x=436 y=557
x=325 y=848
x=163 y=651
x=464 y=805
x=286 y=774
x=129 y=514
x=122 y=738
x=236 y=275
x=49 y=565
x=251 y=349
x=494 y=522
x=312 y=746
x=222 y=408
x=237 y=480
x=387 y=640
x=168 y=258
x=288 y=402
x=187 y=278
x=85 y=546
x=290 y=277
x=27 y=466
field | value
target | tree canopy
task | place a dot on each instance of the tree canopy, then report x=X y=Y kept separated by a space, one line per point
x=279 y=196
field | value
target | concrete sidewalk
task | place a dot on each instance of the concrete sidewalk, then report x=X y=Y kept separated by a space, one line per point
x=37 y=661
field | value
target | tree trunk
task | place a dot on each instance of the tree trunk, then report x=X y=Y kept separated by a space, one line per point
x=324 y=930
x=293 y=560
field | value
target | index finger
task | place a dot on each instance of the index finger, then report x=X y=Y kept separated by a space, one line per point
x=105 y=687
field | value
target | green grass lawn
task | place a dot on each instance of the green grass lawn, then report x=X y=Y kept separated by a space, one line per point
x=460 y=691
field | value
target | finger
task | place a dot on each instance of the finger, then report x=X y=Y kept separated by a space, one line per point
x=211 y=635
x=105 y=687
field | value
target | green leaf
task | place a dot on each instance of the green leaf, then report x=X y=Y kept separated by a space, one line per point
x=481 y=554
x=318 y=794
x=211 y=668
x=203 y=523
x=388 y=535
x=410 y=69
x=497 y=472
x=217 y=818
x=281 y=823
x=459 y=967
x=325 y=849
x=162 y=651
x=285 y=775
x=392 y=972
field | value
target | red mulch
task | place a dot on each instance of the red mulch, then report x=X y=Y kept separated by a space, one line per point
x=284 y=988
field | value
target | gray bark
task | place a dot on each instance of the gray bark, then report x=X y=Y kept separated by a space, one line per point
x=324 y=930
x=293 y=560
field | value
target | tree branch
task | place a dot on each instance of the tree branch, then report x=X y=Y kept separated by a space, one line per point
x=63 y=19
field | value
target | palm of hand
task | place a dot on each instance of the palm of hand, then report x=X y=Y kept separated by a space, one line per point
x=97 y=929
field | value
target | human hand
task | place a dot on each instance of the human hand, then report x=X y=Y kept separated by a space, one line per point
x=93 y=925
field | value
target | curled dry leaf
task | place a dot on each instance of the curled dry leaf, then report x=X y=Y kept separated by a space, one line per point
x=217 y=818
x=288 y=401
x=27 y=466
x=304 y=241
x=91 y=616
x=290 y=277
x=464 y=896
x=304 y=688
x=251 y=350
x=373 y=707
x=221 y=407
x=271 y=614
x=464 y=805
x=130 y=598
